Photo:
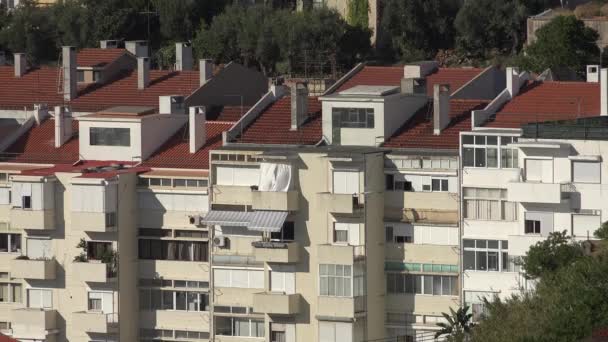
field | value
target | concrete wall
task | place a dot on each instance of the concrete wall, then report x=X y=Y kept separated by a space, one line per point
x=486 y=85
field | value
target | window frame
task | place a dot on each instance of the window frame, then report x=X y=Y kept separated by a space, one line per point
x=501 y=199
x=11 y=242
x=483 y=147
x=345 y=280
x=482 y=247
x=357 y=113
x=110 y=136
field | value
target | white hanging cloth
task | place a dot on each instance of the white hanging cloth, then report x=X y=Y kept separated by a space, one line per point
x=274 y=177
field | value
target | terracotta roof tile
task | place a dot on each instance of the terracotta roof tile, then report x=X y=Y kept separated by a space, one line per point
x=273 y=126
x=175 y=153
x=391 y=76
x=94 y=57
x=38 y=146
x=40 y=86
x=4 y=338
x=418 y=131
x=547 y=101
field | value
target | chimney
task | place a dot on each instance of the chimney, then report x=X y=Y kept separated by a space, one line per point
x=2 y=58
x=198 y=130
x=143 y=72
x=593 y=73
x=40 y=113
x=513 y=81
x=206 y=70
x=139 y=48
x=69 y=73
x=108 y=44
x=604 y=91
x=171 y=104
x=299 y=104
x=441 y=107
x=63 y=126
x=20 y=64
x=183 y=56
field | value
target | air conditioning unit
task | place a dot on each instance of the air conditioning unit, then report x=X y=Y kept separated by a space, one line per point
x=220 y=241
x=195 y=220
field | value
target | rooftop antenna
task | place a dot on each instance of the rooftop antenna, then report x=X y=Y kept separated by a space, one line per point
x=148 y=12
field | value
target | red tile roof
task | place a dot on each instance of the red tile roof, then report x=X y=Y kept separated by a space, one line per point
x=94 y=57
x=547 y=101
x=40 y=86
x=37 y=145
x=175 y=153
x=418 y=131
x=391 y=76
x=4 y=338
x=273 y=126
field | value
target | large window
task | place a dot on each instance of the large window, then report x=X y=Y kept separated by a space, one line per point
x=239 y=278
x=237 y=326
x=586 y=172
x=10 y=243
x=9 y=292
x=485 y=151
x=173 y=250
x=98 y=250
x=354 y=117
x=287 y=232
x=435 y=285
x=488 y=204
x=488 y=255
x=157 y=299
x=40 y=298
x=335 y=280
x=538 y=222
x=102 y=136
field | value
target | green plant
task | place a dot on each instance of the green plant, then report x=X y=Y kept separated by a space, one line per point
x=602 y=231
x=457 y=325
x=82 y=257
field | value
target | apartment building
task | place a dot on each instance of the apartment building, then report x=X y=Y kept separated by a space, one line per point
x=532 y=165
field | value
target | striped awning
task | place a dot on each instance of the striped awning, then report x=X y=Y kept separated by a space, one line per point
x=267 y=220
x=228 y=218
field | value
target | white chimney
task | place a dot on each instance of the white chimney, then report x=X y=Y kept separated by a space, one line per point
x=513 y=81
x=441 y=107
x=139 y=48
x=593 y=73
x=2 y=58
x=70 y=81
x=63 y=126
x=143 y=72
x=420 y=69
x=20 y=64
x=299 y=104
x=197 y=128
x=108 y=44
x=604 y=91
x=183 y=56
x=206 y=70
x=40 y=113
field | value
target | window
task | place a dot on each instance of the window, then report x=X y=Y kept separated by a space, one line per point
x=395 y=184
x=335 y=280
x=10 y=243
x=486 y=255
x=586 y=172
x=335 y=331
x=484 y=151
x=102 y=136
x=488 y=204
x=10 y=292
x=26 y=202
x=239 y=278
x=402 y=233
x=80 y=75
x=282 y=279
x=354 y=117
x=509 y=155
x=236 y=326
x=532 y=227
x=287 y=233
x=345 y=182
x=98 y=250
x=346 y=233
x=40 y=298
x=156 y=299
x=439 y=184
x=101 y=301
x=340 y=233
x=174 y=250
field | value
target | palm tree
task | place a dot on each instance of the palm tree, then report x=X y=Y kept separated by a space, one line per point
x=457 y=325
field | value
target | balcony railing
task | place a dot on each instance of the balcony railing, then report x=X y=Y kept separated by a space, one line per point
x=276 y=251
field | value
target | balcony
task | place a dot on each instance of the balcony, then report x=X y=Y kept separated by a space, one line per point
x=340 y=307
x=32 y=219
x=531 y=192
x=33 y=323
x=94 y=272
x=232 y=194
x=94 y=222
x=95 y=322
x=279 y=252
x=341 y=203
x=275 y=200
x=276 y=303
x=340 y=254
x=39 y=269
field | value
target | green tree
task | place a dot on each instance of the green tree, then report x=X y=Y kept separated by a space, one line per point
x=549 y=255
x=358 y=13
x=457 y=325
x=564 y=42
x=602 y=231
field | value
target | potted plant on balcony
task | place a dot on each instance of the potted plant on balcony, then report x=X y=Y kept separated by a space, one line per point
x=110 y=258
x=82 y=257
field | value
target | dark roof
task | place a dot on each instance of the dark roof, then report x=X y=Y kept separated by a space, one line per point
x=546 y=101
x=418 y=131
x=273 y=125
x=226 y=113
x=391 y=76
x=95 y=57
x=175 y=153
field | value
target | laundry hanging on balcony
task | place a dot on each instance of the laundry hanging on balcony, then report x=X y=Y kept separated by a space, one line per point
x=274 y=177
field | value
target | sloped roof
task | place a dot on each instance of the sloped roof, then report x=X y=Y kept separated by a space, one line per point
x=226 y=113
x=40 y=85
x=95 y=57
x=418 y=131
x=391 y=76
x=175 y=152
x=546 y=101
x=273 y=125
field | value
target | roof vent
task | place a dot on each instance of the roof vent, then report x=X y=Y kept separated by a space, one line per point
x=63 y=126
x=593 y=73
x=69 y=73
x=171 y=104
x=197 y=128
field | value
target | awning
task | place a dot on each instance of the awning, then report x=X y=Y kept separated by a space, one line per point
x=228 y=218
x=267 y=220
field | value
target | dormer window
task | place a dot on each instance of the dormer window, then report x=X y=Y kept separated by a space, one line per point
x=353 y=117
x=102 y=136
